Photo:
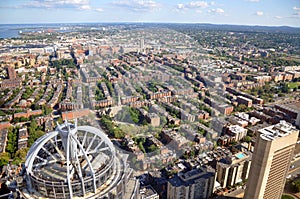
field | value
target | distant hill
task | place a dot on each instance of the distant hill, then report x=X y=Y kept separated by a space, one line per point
x=178 y=26
x=243 y=28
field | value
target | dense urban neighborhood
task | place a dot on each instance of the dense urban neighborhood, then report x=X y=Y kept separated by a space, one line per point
x=190 y=104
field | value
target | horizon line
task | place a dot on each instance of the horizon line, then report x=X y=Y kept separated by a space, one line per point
x=149 y=22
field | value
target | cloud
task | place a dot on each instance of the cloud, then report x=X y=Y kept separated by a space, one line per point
x=194 y=5
x=180 y=6
x=137 y=5
x=253 y=1
x=296 y=8
x=217 y=10
x=297 y=13
x=51 y=4
x=85 y=7
x=197 y=4
x=259 y=13
x=99 y=10
x=278 y=17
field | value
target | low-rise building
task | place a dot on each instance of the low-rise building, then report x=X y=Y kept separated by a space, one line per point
x=28 y=114
x=3 y=139
x=70 y=115
x=237 y=132
x=244 y=100
x=174 y=139
x=22 y=138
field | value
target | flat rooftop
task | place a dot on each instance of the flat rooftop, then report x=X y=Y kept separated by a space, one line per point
x=148 y=191
x=281 y=129
x=293 y=105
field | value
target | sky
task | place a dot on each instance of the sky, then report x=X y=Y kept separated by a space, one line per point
x=240 y=12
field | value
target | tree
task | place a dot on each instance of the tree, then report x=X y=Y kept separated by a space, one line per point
x=284 y=87
x=33 y=124
x=4 y=159
x=20 y=119
x=134 y=113
x=118 y=133
x=34 y=132
x=241 y=108
x=12 y=141
x=296 y=185
x=152 y=148
x=47 y=110
x=287 y=197
x=60 y=120
x=142 y=147
x=247 y=139
x=20 y=156
x=204 y=122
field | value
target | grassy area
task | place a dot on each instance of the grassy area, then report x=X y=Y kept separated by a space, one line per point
x=287 y=197
x=293 y=85
x=134 y=130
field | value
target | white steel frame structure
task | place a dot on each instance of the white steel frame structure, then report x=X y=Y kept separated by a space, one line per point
x=74 y=162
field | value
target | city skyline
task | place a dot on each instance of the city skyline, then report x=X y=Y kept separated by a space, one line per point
x=242 y=12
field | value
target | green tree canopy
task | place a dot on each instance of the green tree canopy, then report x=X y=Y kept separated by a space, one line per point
x=4 y=159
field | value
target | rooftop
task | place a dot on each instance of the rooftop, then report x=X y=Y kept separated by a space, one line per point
x=276 y=131
x=184 y=179
x=148 y=192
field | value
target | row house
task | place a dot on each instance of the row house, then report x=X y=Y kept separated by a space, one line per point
x=55 y=96
x=277 y=77
x=3 y=135
x=158 y=95
x=43 y=101
x=70 y=115
x=10 y=83
x=174 y=139
x=138 y=104
x=103 y=103
x=244 y=100
x=28 y=113
x=15 y=100
x=225 y=109
x=64 y=106
x=22 y=138
x=203 y=115
x=236 y=92
x=168 y=99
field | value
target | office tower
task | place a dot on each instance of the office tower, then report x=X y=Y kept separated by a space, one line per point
x=142 y=44
x=271 y=161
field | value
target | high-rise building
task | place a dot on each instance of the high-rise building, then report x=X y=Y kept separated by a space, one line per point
x=271 y=161
x=194 y=184
x=233 y=169
x=142 y=44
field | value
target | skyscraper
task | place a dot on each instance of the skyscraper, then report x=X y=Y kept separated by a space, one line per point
x=271 y=160
x=142 y=44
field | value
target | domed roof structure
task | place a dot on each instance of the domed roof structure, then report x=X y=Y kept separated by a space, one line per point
x=74 y=161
